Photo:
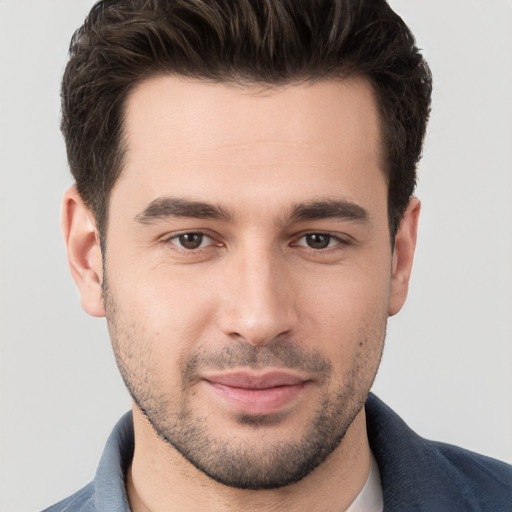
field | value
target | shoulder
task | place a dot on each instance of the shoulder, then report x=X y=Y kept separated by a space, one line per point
x=107 y=490
x=483 y=477
x=418 y=474
x=81 y=501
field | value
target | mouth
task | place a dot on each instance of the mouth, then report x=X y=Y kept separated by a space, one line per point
x=251 y=393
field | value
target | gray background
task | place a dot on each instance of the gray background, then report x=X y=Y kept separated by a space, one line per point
x=447 y=367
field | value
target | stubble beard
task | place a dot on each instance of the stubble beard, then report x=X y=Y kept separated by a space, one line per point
x=224 y=458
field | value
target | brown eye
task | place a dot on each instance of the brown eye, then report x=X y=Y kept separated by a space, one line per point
x=190 y=240
x=318 y=240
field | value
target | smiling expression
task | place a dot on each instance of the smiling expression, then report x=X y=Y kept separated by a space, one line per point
x=248 y=272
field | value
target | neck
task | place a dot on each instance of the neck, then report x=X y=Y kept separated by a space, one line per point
x=161 y=480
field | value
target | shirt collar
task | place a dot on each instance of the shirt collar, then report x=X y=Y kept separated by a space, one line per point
x=110 y=479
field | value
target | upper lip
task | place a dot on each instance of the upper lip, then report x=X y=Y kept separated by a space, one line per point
x=250 y=380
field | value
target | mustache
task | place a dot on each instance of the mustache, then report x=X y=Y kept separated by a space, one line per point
x=277 y=354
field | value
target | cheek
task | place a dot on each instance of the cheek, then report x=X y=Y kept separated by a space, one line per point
x=348 y=297
x=167 y=300
x=347 y=316
x=157 y=318
x=353 y=342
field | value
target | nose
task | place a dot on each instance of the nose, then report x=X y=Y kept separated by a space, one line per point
x=258 y=303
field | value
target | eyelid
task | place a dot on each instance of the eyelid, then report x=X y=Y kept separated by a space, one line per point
x=342 y=239
x=168 y=240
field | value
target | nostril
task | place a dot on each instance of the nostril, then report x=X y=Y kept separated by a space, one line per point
x=257 y=303
x=257 y=329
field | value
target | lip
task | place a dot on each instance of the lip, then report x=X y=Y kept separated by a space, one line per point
x=249 y=380
x=257 y=394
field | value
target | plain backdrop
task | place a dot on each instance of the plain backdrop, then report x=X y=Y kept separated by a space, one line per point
x=447 y=367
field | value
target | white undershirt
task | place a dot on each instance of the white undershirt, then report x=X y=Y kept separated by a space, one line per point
x=370 y=497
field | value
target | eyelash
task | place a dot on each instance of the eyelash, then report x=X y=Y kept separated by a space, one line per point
x=184 y=250
x=340 y=242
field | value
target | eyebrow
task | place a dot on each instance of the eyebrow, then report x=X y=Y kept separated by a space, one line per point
x=164 y=207
x=330 y=209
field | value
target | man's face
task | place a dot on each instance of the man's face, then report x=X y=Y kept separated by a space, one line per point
x=249 y=270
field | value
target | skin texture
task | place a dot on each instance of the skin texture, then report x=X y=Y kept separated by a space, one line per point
x=248 y=239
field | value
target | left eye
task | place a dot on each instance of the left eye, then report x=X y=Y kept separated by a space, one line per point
x=191 y=241
x=317 y=241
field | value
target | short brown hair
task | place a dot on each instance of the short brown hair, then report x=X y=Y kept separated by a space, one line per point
x=274 y=42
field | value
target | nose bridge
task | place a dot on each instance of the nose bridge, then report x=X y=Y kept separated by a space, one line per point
x=259 y=303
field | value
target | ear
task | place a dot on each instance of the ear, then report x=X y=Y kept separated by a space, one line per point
x=84 y=251
x=403 y=254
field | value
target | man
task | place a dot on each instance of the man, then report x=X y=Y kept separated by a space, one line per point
x=243 y=217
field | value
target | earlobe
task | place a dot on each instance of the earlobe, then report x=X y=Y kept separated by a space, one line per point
x=403 y=255
x=84 y=251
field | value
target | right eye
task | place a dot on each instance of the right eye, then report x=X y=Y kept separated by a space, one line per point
x=191 y=241
x=318 y=240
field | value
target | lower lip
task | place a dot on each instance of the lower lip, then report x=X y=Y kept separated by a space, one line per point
x=258 y=401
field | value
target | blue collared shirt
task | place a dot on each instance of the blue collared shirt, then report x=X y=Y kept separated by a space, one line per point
x=107 y=492
x=416 y=474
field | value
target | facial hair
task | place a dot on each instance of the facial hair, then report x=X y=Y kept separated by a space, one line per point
x=230 y=459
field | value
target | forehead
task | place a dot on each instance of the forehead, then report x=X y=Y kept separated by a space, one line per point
x=189 y=137
x=218 y=114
